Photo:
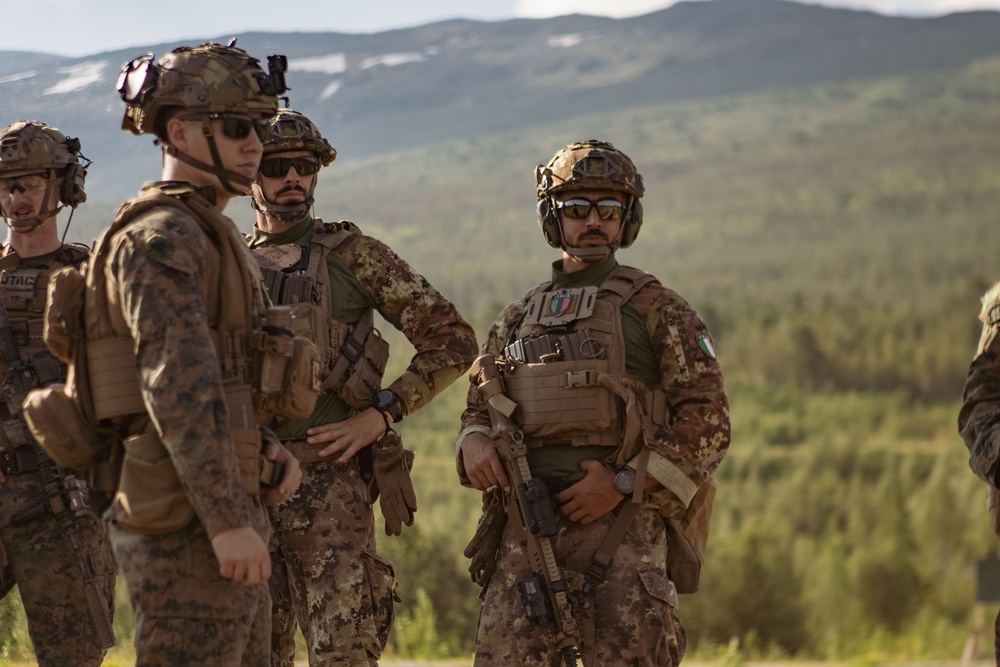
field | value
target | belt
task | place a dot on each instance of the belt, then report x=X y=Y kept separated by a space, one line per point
x=21 y=460
x=306 y=453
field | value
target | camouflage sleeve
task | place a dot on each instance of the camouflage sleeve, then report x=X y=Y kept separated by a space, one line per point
x=686 y=452
x=979 y=417
x=158 y=267
x=444 y=343
x=475 y=417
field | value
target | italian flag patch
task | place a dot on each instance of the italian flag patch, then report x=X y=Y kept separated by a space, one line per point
x=707 y=346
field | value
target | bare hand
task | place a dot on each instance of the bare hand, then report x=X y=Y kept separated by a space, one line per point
x=242 y=556
x=291 y=478
x=350 y=435
x=593 y=496
x=482 y=463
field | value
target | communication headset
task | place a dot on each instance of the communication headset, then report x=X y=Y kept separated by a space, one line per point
x=548 y=219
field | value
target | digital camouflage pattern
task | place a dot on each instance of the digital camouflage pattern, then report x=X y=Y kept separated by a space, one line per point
x=632 y=619
x=627 y=620
x=42 y=561
x=342 y=590
x=186 y=612
x=162 y=273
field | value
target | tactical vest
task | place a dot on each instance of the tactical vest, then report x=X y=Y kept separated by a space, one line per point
x=103 y=384
x=565 y=369
x=353 y=358
x=23 y=290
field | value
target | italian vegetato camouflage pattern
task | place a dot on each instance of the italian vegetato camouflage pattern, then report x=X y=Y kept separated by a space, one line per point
x=627 y=619
x=343 y=589
x=41 y=558
x=588 y=165
x=695 y=443
x=291 y=131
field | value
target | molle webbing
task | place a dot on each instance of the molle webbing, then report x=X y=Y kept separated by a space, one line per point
x=570 y=382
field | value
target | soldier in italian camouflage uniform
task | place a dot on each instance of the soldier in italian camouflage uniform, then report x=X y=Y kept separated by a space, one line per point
x=979 y=418
x=177 y=286
x=39 y=168
x=571 y=366
x=341 y=590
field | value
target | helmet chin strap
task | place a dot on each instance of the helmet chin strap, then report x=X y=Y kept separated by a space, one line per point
x=226 y=177
x=283 y=212
x=592 y=254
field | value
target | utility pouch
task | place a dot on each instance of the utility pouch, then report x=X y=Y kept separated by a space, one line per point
x=150 y=498
x=289 y=369
x=365 y=364
x=58 y=425
x=687 y=538
x=482 y=549
x=563 y=399
x=63 y=327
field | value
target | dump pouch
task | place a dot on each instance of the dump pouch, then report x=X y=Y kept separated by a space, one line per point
x=55 y=420
x=150 y=498
x=687 y=538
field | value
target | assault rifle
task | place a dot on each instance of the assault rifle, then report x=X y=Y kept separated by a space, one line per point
x=66 y=495
x=533 y=512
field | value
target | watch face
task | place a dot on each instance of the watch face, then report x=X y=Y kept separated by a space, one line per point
x=625 y=482
x=384 y=397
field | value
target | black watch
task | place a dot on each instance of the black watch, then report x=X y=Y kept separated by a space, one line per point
x=625 y=481
x=388 y=402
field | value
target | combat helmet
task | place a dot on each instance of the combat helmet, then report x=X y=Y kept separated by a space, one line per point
x=292 y=131
x=589 y=165
x=33 y=145
x=209 y=80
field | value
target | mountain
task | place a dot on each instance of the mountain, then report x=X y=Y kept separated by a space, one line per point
x=379 y=93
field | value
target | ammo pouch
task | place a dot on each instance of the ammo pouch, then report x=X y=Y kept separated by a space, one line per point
x=288 y=369
x=358 y=362
x=687 y=537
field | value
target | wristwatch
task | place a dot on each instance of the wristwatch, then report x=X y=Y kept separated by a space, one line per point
x=386 y=401
x=625 y=481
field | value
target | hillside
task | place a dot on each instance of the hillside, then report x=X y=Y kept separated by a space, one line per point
x=379 y=93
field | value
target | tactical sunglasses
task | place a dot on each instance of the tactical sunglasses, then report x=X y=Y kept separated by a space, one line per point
x=26 y=183
x=579 y=208
x=277 y=167
x=237 y=125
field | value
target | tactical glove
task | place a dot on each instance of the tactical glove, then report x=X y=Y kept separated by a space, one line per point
x=391 y=467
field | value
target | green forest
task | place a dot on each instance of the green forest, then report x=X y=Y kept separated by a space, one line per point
x=836 y=239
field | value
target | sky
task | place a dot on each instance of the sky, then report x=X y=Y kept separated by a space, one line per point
x=85 y=27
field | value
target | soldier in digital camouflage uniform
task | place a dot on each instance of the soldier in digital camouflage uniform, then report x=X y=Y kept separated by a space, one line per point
x=188 y=525
x=592 y=458
x=341 y=590
x=979 y=418
x=39 y=168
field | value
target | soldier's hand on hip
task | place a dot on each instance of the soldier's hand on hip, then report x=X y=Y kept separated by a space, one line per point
x=349 y=436
x=593 y=496
x=242 y=555
x=482 y=463
x=291 y=477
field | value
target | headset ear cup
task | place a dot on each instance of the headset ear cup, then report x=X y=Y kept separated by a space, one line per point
x=549 y=222
x=633 y=221
x=71 y=192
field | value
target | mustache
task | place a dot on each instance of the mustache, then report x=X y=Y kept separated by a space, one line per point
x=290 y=188
x=594 y=233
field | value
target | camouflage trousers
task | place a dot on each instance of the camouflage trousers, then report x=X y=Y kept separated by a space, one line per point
x=48 y=574
x=186 y=613
x=342 y=592
x=626 y=620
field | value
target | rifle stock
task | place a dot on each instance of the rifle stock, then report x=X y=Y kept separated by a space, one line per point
x=531 y=508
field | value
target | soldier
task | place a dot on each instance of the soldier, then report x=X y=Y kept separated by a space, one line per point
x=620 y=402
x=39 y=168
x=979 y=417
x=341 y=590
x=173 y=293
